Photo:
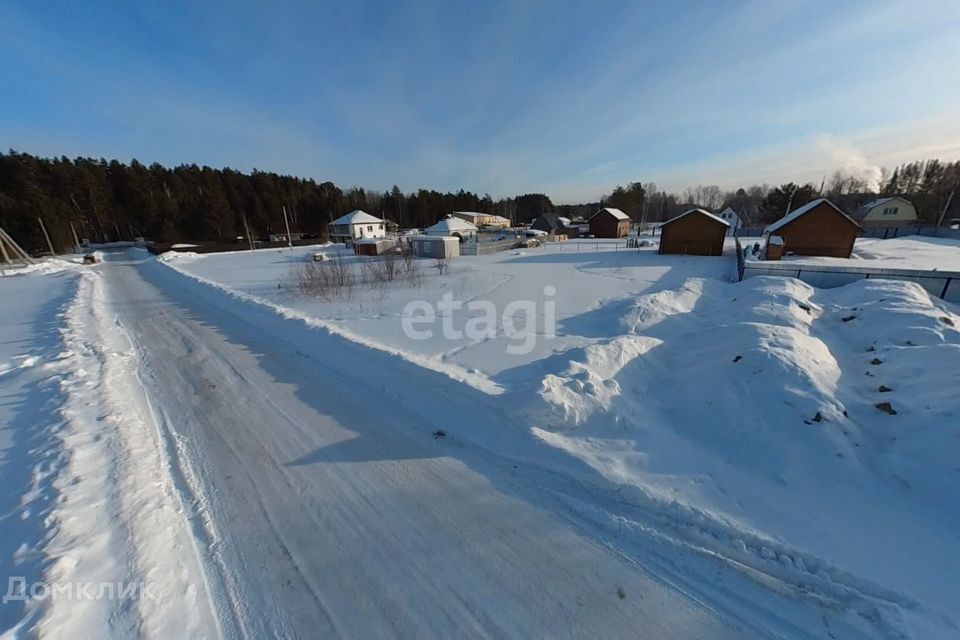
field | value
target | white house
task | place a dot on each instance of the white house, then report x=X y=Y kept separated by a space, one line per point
x=355 y=225
x=452 y=226
x=886 y=212
x=732 y=218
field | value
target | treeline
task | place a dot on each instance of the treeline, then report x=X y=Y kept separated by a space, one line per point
x=928 y=184
x=109 y=200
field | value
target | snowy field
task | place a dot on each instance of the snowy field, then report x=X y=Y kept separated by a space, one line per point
x=588 y=288
x=758 y=459
x=745 y=419
x=909 y=252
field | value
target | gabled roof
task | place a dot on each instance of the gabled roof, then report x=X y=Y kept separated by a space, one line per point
x=730 y=210
x=554 y=221
x=450 y=225
x=864 y=209
x=616 y=213
x=702 y=212
x=357 y=217
x=807 y=208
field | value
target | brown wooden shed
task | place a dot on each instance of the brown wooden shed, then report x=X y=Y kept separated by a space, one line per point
x=818 y=228
x=694 y=232
x=373 y=246
x=609 y=223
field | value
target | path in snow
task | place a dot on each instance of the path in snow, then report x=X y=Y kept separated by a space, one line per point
x=328 y=511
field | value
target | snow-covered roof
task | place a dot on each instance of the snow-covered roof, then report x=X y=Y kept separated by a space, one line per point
x=372 y=240
x=796 y=213
x=449 y=225
x=616 y=213
x=879 y=201
x=552 y=220
x=357 y=217
x=703 y=212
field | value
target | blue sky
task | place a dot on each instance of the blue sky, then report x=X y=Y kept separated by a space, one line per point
x=568 y=98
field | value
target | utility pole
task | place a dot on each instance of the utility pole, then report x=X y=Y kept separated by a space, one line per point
x=790 y=199
x=8 y=244
x=46 y=235
x=76 y=240
x=287 y=225
x=246 y=230
x=946 y=207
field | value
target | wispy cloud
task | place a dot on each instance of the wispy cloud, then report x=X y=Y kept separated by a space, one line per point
x=568 y=98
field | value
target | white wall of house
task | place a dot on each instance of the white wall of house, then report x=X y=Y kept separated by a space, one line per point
x=731 y=217
x=893 y=212
x=357 y=231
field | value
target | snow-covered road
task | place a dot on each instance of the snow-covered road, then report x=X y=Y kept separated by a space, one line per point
x=322 y=508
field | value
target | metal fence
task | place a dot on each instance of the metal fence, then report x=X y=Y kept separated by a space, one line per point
x=942 y=284
x=592 y=246
x=929 y=231
x=486 y=248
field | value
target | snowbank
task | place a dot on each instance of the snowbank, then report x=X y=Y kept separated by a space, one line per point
x=43 y=266
x=757 y=410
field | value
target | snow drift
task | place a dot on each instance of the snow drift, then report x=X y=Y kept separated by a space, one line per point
x=815 y=429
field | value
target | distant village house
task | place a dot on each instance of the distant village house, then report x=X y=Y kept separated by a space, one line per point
x=555 y=226
x=886 y=212
x=453 y=227
x=481 y=220
x=732 y=218
x=609 y=223
x=356 y=225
